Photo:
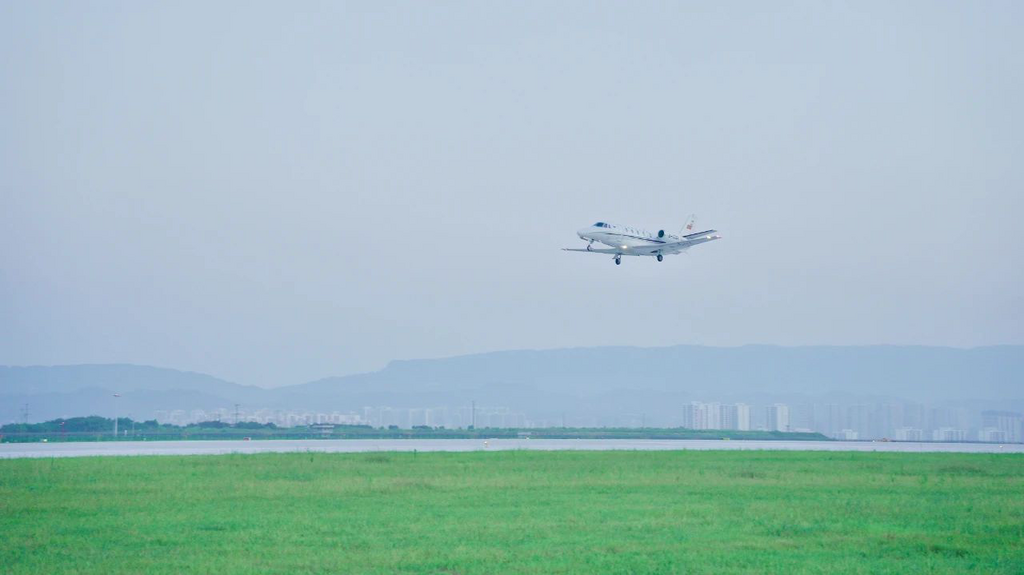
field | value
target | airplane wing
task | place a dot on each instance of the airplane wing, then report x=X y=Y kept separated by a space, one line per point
x=630 y=251
x=699 y=234
x=595 y=250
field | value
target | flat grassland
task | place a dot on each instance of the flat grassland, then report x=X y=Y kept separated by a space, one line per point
x=515 y=512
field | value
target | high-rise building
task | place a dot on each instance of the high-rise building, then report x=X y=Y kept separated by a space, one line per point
x=801 y=416
x=949 y=434
x=698 y=415
x=887 y=419
x=735 y=416
x=714 y=415
x=695 y=416
x=1008 y=422
x=992 y=434
x=742 y=417
x=858 y=418
x=951 y=417
x=915 y=416
x=828 y=419
x=848 y=435
x=777 y=417
x=908 y=434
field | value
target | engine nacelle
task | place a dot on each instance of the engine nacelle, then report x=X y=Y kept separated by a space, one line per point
x=661 y=233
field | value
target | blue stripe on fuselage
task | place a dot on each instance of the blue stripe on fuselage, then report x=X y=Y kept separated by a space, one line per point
x=635 y=237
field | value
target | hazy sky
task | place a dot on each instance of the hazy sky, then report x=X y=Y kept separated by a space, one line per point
x=278 y=192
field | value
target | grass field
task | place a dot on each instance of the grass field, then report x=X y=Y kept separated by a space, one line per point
x=515 y=512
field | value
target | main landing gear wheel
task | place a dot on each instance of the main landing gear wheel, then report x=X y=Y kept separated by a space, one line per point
x=618 y=260
x=660 y=257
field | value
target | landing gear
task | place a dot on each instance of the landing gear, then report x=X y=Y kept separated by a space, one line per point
x=618 y=260
x=660 y=257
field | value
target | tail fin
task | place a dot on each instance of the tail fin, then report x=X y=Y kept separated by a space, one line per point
x=689 y=225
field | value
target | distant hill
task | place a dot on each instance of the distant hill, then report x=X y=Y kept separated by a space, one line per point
x=912 y=372
x=595 y=381
x=602 y=382
x=69 y=390
x=114 y=377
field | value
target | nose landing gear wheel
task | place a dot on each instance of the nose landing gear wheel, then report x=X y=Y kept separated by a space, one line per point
x=660 y=257
x=618 y=260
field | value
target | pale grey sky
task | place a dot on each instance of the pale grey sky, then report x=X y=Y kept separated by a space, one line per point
x=276 y=192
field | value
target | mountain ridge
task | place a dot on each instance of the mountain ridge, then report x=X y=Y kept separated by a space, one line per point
x=599 y=379
x=880 y=369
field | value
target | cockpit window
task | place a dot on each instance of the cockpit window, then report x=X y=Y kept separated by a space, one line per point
x=600 y=225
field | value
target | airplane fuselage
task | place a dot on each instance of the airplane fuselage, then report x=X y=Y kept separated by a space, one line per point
x=624 y=237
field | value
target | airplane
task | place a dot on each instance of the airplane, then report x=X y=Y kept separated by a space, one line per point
x=628 y=241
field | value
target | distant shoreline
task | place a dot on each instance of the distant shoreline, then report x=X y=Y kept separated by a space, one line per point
x=32 y=433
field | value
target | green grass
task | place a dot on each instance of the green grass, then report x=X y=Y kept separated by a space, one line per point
x=515 y=512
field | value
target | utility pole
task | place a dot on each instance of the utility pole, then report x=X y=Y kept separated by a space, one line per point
x=473 y=416
x=24 y=414
x=236 y=415
x=116 y=395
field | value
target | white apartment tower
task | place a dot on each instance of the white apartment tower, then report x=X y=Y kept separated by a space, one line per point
x=736 y=416
x=742 y=417
x=699 y=415
x=778 y=417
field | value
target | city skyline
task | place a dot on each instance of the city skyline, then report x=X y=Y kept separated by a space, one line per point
x=903 y=391
x=893 y=421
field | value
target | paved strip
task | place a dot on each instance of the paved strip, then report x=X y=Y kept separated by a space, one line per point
x=108 y=448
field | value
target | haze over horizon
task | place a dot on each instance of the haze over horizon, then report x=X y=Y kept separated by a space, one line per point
x=274 y=194
x=608 y=386
x=391 y=362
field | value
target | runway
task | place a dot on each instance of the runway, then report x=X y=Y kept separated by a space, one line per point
x=133 y=448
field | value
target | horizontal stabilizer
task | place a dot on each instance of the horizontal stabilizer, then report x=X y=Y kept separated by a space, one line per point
x=698 y=234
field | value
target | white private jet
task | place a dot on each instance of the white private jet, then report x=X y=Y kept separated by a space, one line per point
x=627 y=241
